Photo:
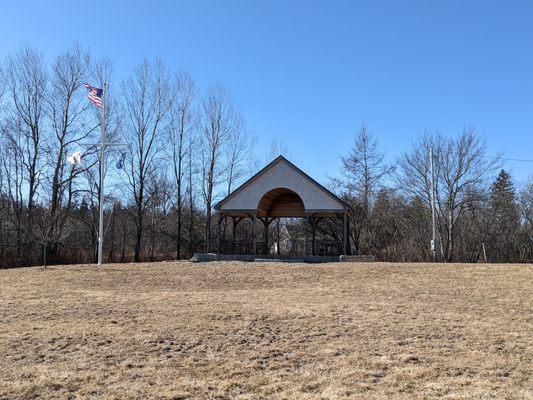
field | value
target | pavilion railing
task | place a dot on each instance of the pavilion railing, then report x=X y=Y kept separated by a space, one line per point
x=328 y=247
x=241 y=247
x=321 y=248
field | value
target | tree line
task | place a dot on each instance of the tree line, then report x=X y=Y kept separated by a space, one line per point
x=480 y=215
x=183 y=148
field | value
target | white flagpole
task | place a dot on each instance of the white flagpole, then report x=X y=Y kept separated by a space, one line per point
x=102 y=170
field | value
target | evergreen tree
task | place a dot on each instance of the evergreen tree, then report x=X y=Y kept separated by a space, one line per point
x=504 y=220
x=364 y=171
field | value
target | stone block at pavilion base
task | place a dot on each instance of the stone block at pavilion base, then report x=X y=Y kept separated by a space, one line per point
x=320 y=259
x=365 y=258
x=206 y=257
x=203 y=257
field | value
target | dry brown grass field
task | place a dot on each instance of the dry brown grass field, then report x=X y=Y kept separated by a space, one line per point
x=179 y=330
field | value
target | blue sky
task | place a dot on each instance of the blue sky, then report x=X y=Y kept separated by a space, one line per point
x=311 y=73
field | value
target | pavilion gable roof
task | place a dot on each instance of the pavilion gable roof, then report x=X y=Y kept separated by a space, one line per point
x=282 y=173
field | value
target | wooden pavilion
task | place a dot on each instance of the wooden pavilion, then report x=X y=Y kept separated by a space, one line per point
x=281 y=190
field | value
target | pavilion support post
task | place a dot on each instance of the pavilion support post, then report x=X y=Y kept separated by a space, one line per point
x=348 y=245
x=254 y=241
x=277 y=238
x=313 y=235
x=267 y=223
x=219 y=238
x=345 y=233
x=307 y=235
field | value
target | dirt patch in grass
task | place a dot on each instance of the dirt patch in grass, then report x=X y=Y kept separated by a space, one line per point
x=226 y=330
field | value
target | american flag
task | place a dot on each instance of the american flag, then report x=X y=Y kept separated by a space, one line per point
x=94 y=95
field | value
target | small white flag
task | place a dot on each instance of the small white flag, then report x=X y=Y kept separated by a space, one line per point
x=75 y=158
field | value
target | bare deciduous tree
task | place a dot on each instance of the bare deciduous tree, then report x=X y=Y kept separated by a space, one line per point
x=69 y=130
x=180 y=135
x=14 y=172
x=26 y=83
x=278 y=147
x=239 y=156
x=147 y=107
x=526 y=210
x=192 y=173
x=219 y=122
x=461 y=168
